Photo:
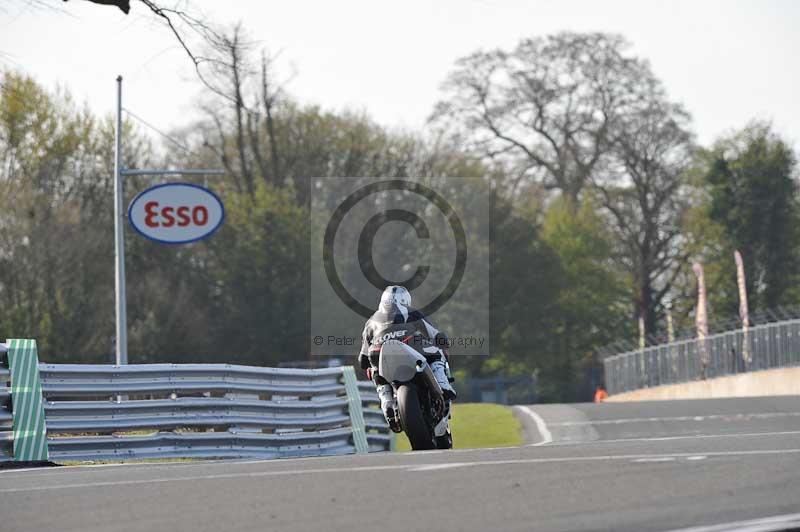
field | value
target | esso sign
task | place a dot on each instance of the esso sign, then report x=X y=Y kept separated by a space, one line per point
x=176 y=213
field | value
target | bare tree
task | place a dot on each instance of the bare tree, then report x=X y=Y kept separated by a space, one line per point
x=261 y=128
x=252 y=95
x=547 y=107
x=270 y=94
x=191 y=29
x=124 y=5
x=236 y=69
x=643 y=190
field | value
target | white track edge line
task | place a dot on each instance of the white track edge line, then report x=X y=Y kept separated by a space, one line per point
x=541 y=426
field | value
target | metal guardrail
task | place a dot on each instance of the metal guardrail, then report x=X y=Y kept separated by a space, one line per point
x=766 y=346
x=202 y=410
x=6 y=417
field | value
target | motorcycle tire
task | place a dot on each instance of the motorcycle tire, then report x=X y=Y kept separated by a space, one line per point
x=413 y=422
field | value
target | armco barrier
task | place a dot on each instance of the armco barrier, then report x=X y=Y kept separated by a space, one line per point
x=96 y=412
x=6 y=436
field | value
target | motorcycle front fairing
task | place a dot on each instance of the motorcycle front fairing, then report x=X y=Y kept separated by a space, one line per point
x=401 y=363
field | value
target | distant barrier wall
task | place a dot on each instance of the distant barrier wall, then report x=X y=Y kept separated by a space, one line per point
x=764 y=347
x=781 y=381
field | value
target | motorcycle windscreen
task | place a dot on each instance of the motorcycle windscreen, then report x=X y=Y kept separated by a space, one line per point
x=399 y=362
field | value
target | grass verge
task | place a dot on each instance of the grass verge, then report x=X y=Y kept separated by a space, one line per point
x=476 y=425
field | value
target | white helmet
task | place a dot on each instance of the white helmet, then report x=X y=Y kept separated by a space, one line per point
x=397 y=295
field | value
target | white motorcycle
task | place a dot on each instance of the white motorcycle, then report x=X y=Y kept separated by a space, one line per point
x=423 y=412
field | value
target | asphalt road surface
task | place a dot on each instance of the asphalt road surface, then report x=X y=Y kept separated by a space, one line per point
x=636 y=466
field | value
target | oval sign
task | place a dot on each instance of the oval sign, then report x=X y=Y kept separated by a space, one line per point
x=176 y=213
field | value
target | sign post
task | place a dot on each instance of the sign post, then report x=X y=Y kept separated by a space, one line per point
x=119 y=227
x=119 y=238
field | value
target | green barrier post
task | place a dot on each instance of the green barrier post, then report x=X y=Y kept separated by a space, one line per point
x=28 y=426
x=355 y=409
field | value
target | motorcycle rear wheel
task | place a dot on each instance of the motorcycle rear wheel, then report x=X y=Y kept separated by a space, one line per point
x=413 y=422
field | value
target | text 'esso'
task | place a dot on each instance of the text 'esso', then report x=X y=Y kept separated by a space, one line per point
x=176 y=213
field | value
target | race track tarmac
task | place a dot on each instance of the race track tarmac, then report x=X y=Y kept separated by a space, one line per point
x=628 y=467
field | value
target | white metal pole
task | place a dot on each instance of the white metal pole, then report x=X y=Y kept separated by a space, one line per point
x=119 y=237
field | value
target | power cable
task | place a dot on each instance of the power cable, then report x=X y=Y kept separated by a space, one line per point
x=153 y=128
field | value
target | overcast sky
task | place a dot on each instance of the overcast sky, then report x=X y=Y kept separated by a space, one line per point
x=728 y=61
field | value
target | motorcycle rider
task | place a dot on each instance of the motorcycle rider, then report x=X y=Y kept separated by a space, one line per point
x=394 y=310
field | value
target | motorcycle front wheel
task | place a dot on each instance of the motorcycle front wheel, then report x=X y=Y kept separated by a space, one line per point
x=413 y=422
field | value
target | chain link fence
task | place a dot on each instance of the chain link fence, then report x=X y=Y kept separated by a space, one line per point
x=766 y=346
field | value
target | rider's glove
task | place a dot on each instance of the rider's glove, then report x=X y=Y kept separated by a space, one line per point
x=369 y=373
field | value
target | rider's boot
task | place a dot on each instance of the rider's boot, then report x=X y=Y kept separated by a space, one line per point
x=440 y=372
x=389 y=406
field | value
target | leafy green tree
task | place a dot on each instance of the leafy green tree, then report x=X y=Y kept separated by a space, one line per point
x=752 y=195
x=258 y=274
x=53 y=183
x=592 y=302
x=527 y=279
